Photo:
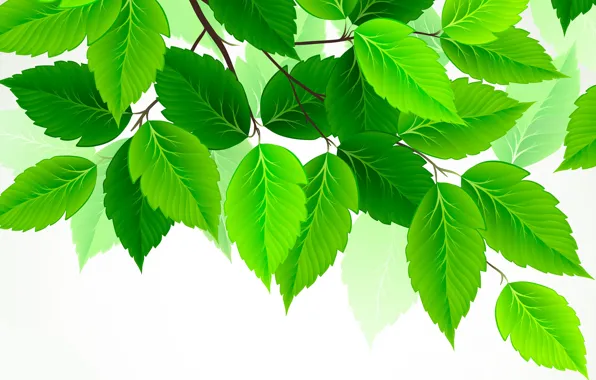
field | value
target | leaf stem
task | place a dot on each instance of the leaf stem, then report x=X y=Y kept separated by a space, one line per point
x=436 y=167
x=503 y=276
x=318 y=42
x=435 y=34
x=320 y=97
x=144 y=115
x=198 y=40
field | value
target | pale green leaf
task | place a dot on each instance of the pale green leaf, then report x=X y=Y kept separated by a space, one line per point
x=580 y=142
x=42 y=194
x=177 y=175
x=488 y=115
x=375 y=271
x=328 y=9
x=445 y=252
x=542 y=326
x=331 y=193
x=522 y=219
x=265 y=207
x=430 y=22
x=404 y=70
x=400 y=10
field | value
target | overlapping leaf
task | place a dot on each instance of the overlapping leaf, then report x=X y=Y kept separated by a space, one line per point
x=400 y=10
x=580 y=142
x=445 y=252
x=430 y=23
x=331 y=193
x=265 y=207
x=569 y=10
x=522 y=219
x=329 y=9
x=488 y=115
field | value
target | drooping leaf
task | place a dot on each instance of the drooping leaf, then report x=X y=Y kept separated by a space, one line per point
x=177 y=175
x=580 y=142
x=204 y=98
x=139 y=227
x=63 y=99
x=33 y=27
x=569 y=10
x=42 y=194
x=475 y=22
x=522 y=219
x=92 y=232
x=328 y=9
x=269 y=25
x=541 y=131
x=542 y=326
x=400 y=10
x=126 y=59
x=445 y=252
x=488 y=114
x=391 y=179
x=281 y=112
x=265 y=207
x=404 y=70
x=375 y=272
x=331 y=193
x=352 y=104
x=512 y=58
x=430 y=23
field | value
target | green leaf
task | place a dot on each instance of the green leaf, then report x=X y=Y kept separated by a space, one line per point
x=254 y=72
x=445 y=252
x=580 y=142
x=139 y=226
x=92 y=232
x=522 y=219
x=404 y=70
x=541 y=131
x=22 y=144
x=512 y=58
x=400 y=10
x=475 y=22
x=42 y=194
x=177 y=175
x=281 y=112
x=328 y=9
x=331 y=193
x=352 y=104
x=63 y=100
x=32 y=27
x=542 y=326
x=310 y=28
x=391 y=179
x=375 y=272
x=227 y=162
x=430 y=22
x=126 y=59
x=569 y=10
x=269 y=25
x=488 y=114
x=204 y=98
x=265 y=207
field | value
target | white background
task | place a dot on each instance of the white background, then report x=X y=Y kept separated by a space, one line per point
x=193 y=315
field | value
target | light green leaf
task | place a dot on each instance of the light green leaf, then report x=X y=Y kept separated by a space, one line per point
x=310 y=28
x=488 y=115
x=375 y=271
x=331 y=193
x=32 y=27
x=281 y=112
x=541 y=131
x=445 y=252
x=391 y=179
x=139 y=227
x=475 y=22
x=542 y=326
x=580 y=142
x=328 y=9
x=400 y=10
x=269 y=25
x=569 y=10
x=430 y=22
x=265 y=207
x=254 y=72
x=204 y=98
x=92 y=232
x=42 y=194
x=404 y=70
x=352 y=104
x=177 y=175
x=73 y=3
x=63 y=100
x=126 y=59
x=512 y=58
x=23 y=144
x=522 y=219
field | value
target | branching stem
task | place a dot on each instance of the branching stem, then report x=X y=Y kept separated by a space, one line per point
x=320 y=97
x=436 y=167
x=144 y=115
x=435 y=34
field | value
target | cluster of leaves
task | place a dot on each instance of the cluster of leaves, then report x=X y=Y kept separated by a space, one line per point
x=387 y=99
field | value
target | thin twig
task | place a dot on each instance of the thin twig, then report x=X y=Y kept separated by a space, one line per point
x=144 y=115
x=320 y=97
x=436 y=167
x=435 y=34
x=198 y=41
x=503 y=277
x=318 y=42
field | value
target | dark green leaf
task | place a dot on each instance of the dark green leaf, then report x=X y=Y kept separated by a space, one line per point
x=400 y=10
x=569 y=10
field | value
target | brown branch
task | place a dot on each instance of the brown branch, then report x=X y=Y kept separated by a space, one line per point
x=436 y=167
x=198 y=40
x=435 y=34
x=144 y=115
x=320 y=97
x=318 y=42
